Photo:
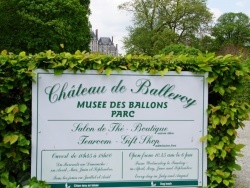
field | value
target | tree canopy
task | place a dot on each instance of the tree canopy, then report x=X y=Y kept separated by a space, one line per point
x=231 y=34
x=35 y=26
x=158 y=23
x=232 y=28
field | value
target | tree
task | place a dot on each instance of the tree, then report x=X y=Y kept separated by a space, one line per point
x=232 y=28
x=205 y=44
x=232 y=34
x=35 y=26
x=164 y=22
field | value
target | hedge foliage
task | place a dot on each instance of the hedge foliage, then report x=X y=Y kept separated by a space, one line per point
x=179 y=49
x=244 y=94
x=226 y=115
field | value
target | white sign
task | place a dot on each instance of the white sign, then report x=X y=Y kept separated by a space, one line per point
x=122 y=130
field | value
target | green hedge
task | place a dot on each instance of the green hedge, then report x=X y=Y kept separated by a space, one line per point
x=243 y=95
x=226 y=115
x=178 y=49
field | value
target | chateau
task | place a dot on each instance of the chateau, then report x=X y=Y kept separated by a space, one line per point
x=103 y=45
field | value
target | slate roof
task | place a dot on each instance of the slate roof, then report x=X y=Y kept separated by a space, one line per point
x=105 y=41
x=93 y=35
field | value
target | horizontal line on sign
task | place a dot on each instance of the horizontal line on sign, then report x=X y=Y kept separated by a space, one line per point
x=122 y=184
x=118 y=149
x=114 y=120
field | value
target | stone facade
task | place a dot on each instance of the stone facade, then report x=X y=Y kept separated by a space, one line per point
x=103 y=45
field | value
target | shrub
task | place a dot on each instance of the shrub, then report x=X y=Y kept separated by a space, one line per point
x=178 y=49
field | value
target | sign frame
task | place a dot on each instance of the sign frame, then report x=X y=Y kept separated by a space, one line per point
x=125 y=84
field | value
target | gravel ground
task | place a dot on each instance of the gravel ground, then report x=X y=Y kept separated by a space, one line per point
x=243 y=176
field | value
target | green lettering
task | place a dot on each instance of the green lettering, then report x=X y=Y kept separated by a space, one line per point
x=142 y=85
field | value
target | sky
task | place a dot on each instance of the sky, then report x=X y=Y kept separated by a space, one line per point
x=112 y=22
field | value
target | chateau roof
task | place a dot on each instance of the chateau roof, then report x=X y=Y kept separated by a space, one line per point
x=93 y=35
x=105 y=41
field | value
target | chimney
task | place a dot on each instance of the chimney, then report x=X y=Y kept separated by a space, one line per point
x=116 y=49
x=96 y=33
x=112 y=39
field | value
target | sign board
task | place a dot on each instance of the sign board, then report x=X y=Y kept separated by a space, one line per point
x=123 y=130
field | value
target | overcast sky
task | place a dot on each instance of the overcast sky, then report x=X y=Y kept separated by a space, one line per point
x=113 y=22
